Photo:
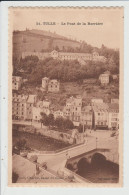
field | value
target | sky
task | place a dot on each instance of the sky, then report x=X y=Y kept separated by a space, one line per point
x=109 y=34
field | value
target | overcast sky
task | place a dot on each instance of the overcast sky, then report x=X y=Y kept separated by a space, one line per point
x=108 y=34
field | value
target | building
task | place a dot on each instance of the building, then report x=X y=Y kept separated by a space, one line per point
x=36 y=113
x=58 y=113
x=22 y=106
x=97 y=57
x=41 y=106
x=113 y=116
x=87 y=116
x=16 y=82
x=72 y=109
x=50 y=85
x=45 y=82
x=46 y=107
x=115 y=77
x=68 y=107
x=30 y=103
x=82 y=57
x=53 y=86
x=104 y=79
x=100 y=116
x=96 y=100
x=18 y=106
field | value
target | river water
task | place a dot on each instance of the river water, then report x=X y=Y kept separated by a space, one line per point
x=102 y=172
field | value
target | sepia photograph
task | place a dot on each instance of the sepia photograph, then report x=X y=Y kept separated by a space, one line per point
x=66 y=96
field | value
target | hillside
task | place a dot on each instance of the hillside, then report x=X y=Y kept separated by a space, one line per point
x=37 y=40
x=87 y=91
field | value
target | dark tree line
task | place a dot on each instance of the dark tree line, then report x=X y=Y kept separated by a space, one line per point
x=65 y=71
x=58 y=122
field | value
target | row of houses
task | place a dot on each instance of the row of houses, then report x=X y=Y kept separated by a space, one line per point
x=95 y=115
x=66 y=56
x=53 y=85
x=47 y=85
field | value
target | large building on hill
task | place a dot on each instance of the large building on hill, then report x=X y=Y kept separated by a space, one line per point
x=81 y=57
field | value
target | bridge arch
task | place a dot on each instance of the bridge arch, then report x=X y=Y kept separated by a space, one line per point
x=98 y=159
x=83 y=165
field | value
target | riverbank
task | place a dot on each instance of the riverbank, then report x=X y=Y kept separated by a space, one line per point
x=39 y=142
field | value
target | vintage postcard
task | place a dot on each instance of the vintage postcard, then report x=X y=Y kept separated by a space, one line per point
x=65 y=96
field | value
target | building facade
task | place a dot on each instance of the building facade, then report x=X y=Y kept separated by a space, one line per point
x=113 y=116
x=100 y=116
x=67 y=56
x=18 y=106
x=53 y=86
x=50 y=85
x=16 y=82
x=58 y=114
x=72 y=109
x=45 y=82
x=87 y=117
x=22 y=106
x=104 y=79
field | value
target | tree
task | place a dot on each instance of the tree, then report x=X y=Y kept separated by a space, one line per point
x=80 y=128
x=44 y=119
x=21 y=144
x=51 y=119
x=68 y=124
x=59 y=122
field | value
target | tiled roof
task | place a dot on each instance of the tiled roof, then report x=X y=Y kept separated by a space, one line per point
x=102 y=107
x=113 y=107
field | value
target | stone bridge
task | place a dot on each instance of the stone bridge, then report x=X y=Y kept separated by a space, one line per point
x=58 y=159
x=92 y=155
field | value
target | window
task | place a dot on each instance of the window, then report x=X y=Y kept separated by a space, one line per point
x=98 y=113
